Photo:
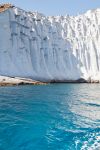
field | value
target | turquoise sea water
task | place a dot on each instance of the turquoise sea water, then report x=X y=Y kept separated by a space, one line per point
x=51 y=117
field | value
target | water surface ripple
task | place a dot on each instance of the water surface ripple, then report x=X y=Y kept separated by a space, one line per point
x=51 y=117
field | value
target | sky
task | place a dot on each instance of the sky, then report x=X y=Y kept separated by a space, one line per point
x=56 y=7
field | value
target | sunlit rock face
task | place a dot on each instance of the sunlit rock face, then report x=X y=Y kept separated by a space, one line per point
x=60 y=48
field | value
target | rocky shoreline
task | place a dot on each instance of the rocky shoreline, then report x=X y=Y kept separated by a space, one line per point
x=81 y=80
x=13 y=81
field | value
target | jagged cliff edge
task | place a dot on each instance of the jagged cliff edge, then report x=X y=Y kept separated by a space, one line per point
x=61 y=48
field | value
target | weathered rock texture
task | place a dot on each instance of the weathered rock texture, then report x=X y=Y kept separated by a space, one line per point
x=60 y=48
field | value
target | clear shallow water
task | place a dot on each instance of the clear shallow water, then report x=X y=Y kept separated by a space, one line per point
x=52 y=117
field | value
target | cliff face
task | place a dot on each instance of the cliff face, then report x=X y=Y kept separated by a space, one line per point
x=50 y=48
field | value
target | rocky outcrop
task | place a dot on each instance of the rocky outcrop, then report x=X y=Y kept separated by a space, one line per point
x=4 y=7
x=10 y=81
x=50 y=49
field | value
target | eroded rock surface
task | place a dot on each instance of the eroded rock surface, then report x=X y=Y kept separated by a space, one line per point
x=53 y=48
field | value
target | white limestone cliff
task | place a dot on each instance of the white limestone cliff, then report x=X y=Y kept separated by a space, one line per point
x=60 y=48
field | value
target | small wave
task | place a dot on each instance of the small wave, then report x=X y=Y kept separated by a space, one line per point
x=93 y=104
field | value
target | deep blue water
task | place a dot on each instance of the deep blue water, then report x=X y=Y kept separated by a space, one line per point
x=51 y=117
